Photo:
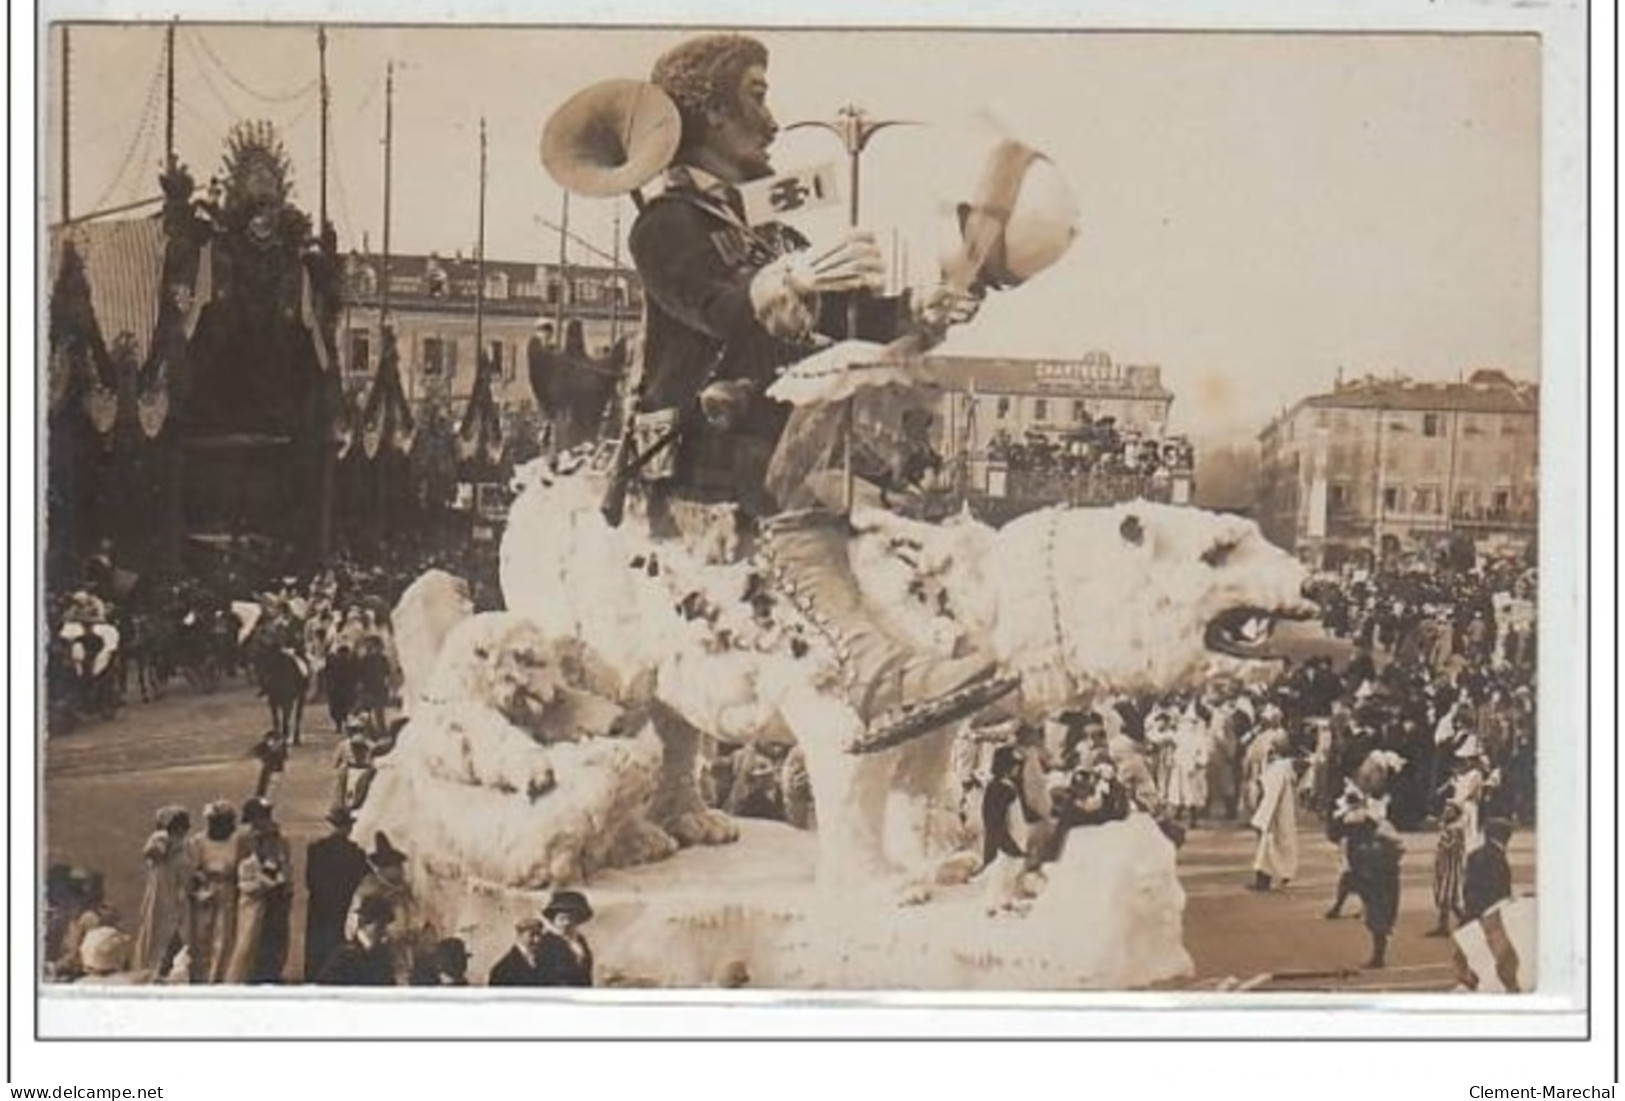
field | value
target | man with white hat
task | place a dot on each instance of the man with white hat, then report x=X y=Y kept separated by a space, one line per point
x=731 y=304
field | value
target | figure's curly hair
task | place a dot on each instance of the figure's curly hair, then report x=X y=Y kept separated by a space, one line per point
x=703 y=74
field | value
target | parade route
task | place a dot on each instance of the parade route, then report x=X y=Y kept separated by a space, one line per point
x=104 y=781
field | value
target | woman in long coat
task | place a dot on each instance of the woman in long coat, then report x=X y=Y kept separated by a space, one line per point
x=564 y=958
x=1276 y=818
x=214 y=894
x=264 y=899
x=162 y=930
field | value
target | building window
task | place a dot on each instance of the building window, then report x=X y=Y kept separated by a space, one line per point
x=503 y=368
x=1337 y=496
x=1425 y=500
x=1432 y=424
x=1080 y=410
x=360 y=351
x=1040 y=409
x=1003 y=409
x=496 y=286
x=1322 y=420
x=434 y=357
x=1501 y=502
x=1509 y=426
x=1390 y=498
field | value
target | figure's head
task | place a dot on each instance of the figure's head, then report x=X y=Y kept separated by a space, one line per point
x=373 y=916
x=528 y=933
x=451 y=958
x=219 y=820
x=719 y=83
x=568 y=910
x=340 y=819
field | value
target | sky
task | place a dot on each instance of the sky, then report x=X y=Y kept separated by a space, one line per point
x=1257 y=211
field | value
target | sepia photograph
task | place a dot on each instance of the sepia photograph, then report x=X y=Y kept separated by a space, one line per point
x=768 y=509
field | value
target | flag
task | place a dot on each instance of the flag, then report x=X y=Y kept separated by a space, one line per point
x=789 y=193
x=202 y=289
x=307 y=316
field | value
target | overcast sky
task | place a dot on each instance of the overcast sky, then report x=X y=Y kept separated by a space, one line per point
x=1256 y=210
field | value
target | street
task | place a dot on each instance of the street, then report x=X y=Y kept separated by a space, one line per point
x=104 y=781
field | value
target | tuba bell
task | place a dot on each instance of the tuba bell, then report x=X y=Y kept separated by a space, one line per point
x=611 y=138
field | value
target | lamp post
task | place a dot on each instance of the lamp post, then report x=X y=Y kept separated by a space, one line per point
x=855 y=128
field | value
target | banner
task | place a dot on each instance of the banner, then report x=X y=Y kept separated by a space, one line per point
x=307 y=316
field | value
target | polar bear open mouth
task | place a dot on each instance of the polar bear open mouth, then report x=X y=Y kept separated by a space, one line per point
x=1246 y=631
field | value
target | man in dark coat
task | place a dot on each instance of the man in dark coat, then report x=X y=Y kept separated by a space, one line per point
x=364 y=959
x=1374 y=854
x=1488 y=878
x=339 y=676
x=334 y=867
x=731 y=304
x=520 y=965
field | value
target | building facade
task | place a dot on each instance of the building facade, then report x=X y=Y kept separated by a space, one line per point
x=432 y=306
x=1030 y=432
x=1384 y=467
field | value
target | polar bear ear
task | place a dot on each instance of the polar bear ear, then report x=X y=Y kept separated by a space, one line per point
x=1221 y=550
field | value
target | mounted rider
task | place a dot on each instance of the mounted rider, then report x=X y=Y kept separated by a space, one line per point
x=729 y=306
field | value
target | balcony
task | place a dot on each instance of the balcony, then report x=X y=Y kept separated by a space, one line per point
x=1495 y=518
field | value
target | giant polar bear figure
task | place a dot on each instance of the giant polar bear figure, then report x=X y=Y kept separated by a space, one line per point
x=1139 y=596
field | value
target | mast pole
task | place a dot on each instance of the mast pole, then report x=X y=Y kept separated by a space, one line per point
x=615 y=286
x=389 y=138
x=321 y=57
x=66 y=114
x=169 y=100
x=479 y=268
x=564 y=271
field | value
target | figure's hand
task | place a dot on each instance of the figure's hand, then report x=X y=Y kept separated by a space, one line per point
x=723 y=402
x=942 y=305
x=852 y=263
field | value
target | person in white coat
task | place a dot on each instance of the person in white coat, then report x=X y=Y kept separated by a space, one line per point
x=1276 y=818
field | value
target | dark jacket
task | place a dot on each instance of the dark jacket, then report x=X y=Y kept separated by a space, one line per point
x=560 y=966
x=354 y=964
x=696 y=259
x=997 y=800
x=514 y=970
x=1486 y=881
x=334 y=867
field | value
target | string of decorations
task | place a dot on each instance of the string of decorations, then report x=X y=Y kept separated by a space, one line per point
x=225 y=71
x=140 y=137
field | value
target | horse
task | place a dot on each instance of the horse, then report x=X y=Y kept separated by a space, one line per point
x=284 y=678
x=146 y=654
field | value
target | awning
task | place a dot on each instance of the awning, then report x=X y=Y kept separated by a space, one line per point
x=124 y=266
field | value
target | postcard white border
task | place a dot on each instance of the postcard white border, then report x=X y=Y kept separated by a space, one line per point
x=1565 y=596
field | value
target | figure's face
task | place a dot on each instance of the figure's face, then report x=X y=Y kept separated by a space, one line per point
x=738 y=138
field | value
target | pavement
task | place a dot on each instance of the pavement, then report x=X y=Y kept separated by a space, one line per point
x=104 y=780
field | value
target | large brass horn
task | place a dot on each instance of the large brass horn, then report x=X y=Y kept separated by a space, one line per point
x=611 y=138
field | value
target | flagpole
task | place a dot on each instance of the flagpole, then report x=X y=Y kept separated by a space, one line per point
x=479 y=270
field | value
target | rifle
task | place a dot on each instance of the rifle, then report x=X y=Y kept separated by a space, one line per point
x=628 y=461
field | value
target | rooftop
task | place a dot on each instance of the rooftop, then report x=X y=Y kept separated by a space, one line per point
x=1484 y=391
